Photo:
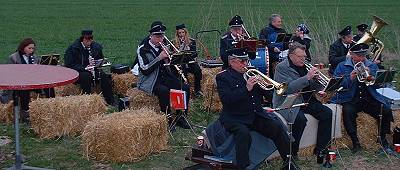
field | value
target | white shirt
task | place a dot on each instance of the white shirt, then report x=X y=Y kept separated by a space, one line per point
x=26 y=58
x=154 y=46
x=346 y=45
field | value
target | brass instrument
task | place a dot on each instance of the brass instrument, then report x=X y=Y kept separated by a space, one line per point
x=363 y=75
x=322 y=79
x=369 y=37
x=265 y=82
x=246 y=32
x=165 y=48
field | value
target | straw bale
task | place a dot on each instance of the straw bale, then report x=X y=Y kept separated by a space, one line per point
x=64 y=115
x=68 y=90
x=307 y=151
x=139 y=99
x=6 y=113
x=190 y=80
x=209 y=88
x=127 y=136
x=367 y=128
x=123 y=82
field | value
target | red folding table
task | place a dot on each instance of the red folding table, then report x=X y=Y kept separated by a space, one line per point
x=27 y=77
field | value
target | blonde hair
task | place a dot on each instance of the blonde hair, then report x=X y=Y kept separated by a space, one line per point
x=186 y=38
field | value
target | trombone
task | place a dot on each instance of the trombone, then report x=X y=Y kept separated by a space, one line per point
x=165 y=48
x=264 y=81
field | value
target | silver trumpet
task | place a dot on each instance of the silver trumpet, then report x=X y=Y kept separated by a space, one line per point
x=265 y=82
x=363 y=75
x=322 y=79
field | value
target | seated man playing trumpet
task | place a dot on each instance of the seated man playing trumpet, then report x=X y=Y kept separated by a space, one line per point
x=361 y=95
x=154 y=76
x=242 y=111
x=293 y=71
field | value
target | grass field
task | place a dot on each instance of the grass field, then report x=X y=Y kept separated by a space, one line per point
x=119 y=25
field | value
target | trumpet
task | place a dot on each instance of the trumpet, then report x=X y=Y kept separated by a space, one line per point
x=363 y=75
x=322 y=79
x=165 y=48
x=265 y=82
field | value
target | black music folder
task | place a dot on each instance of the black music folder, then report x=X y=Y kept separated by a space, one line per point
x=283 y=37
x=384 y=76
x=333 y=84
x=50 y=59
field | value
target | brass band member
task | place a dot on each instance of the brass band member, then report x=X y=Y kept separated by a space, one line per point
x=156 y=78
x=361 y=98
x=302 y=36
x=293 y=71
x=25 y=54
x=339 y=49
x=234 y=35
x=360 y=31
x=270 y=33
x=184 y=43
x=80 y=55
x=242 y=111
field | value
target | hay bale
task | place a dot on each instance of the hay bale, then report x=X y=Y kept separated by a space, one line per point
x=64 y=115
x=6 y=113
x=123 y=82
x=190 y=80
x=127 y=136
x=139 y=99
x=367 y=128
x=68 y=90
x=211 y=101
x=307 y=151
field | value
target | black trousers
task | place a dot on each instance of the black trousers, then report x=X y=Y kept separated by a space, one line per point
x=24 y=96
x=270 y=128
x=373 y=108
x=195 y=69
x=324 y=116
x=86 y=80
x=162 y=88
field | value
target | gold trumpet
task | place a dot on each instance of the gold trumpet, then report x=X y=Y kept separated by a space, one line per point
x=322 y=78
x=265 y=82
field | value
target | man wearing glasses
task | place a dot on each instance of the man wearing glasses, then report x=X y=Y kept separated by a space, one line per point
x=82 y=54
x=293 y=72
x=242 y=111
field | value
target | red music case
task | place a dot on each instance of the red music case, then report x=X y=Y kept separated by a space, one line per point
x=177 y=99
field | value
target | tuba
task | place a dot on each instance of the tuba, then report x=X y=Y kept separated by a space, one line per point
x=363 y=75
x=265 y=82
x=370 y=38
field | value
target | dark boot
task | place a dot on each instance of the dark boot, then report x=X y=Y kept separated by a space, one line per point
x=24 y=116
x=181 y=122
x=356 y=143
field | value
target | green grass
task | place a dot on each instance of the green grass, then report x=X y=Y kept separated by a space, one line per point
x=119 y=25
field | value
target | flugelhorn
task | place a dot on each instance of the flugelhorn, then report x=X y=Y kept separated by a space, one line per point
x=265 y=82
x=322 y=78
x=363 y=75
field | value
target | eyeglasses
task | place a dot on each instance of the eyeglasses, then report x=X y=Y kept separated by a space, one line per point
x=242 y=60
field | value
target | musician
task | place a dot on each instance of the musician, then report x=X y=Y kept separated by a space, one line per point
x=25 y=54
x=184 y=43
x=302 y=36
x=360 y=31
x=156 y=78
x=270 y=33
x=339 y=49
x=77 y=57
x=361 y=98
x=242 y=110
x=293 y=71
x=229 y=39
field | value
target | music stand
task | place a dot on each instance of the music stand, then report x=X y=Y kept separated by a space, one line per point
x=333 y=84
x=51 y=59
x=27 y=77
x=283 y=38
x=288 y=103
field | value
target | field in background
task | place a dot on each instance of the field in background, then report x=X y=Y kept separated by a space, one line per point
x=120 y=25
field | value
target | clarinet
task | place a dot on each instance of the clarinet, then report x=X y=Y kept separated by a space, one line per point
x=91 y=65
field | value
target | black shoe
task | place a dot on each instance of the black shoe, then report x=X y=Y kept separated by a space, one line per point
x=356 y=148
x=320 y=155
x=183 y=123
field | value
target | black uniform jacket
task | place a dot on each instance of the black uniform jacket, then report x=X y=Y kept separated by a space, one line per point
x=337 y=54
x=77 y=57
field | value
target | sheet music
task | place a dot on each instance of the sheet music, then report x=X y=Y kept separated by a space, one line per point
x=289 y=100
